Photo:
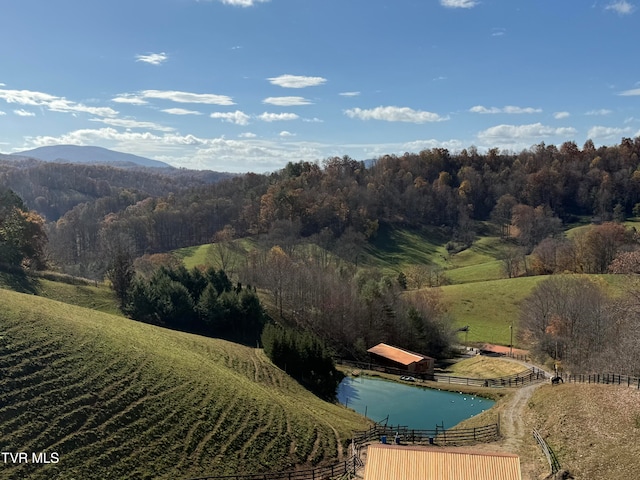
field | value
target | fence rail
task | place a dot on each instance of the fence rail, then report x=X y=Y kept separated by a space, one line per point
x=603 y=378
x=438 y=436
x=319 y=473
x=521 y=379
x=554 y=464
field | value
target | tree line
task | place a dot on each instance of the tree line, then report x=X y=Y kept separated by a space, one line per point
x=198 y=301
x=347 y=200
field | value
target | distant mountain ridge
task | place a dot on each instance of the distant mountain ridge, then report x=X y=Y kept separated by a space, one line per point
x=89 y=155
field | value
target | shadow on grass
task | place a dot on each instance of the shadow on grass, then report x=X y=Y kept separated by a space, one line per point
x=17 y=280
x=407 y=245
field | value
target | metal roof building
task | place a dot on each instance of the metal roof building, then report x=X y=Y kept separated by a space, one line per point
x=399 y=358
x=392 y=462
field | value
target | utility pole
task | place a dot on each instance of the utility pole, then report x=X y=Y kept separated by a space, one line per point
x=511 y=341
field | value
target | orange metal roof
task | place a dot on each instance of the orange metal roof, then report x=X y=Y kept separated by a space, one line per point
x=391 y=462
x=396 y=354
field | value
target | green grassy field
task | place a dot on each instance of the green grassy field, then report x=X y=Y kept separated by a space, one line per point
x=121 y=399
x=489 y=308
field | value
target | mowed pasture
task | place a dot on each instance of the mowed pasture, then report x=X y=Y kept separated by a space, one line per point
x=116 y=398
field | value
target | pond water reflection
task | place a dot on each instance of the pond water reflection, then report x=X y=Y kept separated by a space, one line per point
x=412 y=406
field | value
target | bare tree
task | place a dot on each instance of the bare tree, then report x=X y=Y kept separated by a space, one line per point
x=222 y=252
x=512 y=261
x=567 y=317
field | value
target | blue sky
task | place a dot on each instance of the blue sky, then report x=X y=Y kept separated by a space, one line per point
x=249 y=85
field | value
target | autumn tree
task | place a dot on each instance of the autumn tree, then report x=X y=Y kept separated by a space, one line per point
x=533 y=224
x=22 y=236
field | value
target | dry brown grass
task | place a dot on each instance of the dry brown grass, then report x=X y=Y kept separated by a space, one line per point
x=484 y=367
x=593 y=429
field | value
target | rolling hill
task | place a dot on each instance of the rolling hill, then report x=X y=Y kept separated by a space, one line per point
x=115 y=398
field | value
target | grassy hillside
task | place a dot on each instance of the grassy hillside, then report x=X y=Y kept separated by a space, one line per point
x=593 y=429
x=116 y=398
x=489 y=307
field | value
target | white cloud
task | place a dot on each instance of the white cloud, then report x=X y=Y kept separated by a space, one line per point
x=394 y=114
x=622 y=7
x=484 y=110
x=130 y=99
x=297 y=81
x=243 y=3
x=510 y=109
x=277 y=117
x=24 y=113
x=247 y=135
x=187 y=97
x=129 y=141
x=607 y=133
x=130 y=123
x=287 y=101
x=153 y=58
x=628 y=93
x=349 y=94
x=2 y=113
x=601 y=112
x=458 y=3
x=52 y=102
x=284 y=133
x=181 y=111
x=237 y=117
x=561 y=115
x=517 y=133
x=498 y=32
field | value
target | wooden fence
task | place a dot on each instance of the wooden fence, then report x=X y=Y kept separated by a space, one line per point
x=603 y=378
x=320 y=473
x=554 y=464
x=526 y=377
x=438 y=436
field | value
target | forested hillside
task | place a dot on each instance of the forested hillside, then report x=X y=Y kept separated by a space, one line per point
x=307 y=227
x=434 y=187
x=343 y=203
x=52 y=189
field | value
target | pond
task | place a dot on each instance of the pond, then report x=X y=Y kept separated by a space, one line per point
x=408 y=405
